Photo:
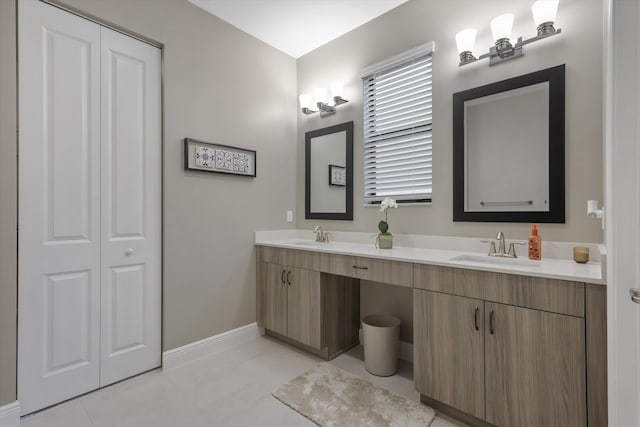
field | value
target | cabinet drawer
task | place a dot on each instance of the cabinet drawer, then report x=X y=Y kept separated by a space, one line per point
x=435 y=278
x=557 y=296
x=295 y=258
x=376 y=270
x=272 y=255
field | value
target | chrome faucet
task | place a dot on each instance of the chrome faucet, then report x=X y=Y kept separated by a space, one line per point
x=501 y=252
x=500 y=239
x=321 y=236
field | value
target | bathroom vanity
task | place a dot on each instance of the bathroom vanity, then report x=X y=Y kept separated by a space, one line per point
x=496 y=342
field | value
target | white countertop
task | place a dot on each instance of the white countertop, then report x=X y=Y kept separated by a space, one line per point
x=467 y=256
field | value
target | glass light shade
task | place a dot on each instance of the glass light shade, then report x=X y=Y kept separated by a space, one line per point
x=305 y=101
x=544 y=11
x=501 y=26
x=321 y=94
x=465 y=40
x=336 y=89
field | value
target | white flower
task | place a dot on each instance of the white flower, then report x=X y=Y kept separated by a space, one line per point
x=387 y=203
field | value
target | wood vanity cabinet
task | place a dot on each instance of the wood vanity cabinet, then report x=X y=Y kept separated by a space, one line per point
x=292 y=304
x=275 y=298
x=489 y=348
x=448 y=349
x=501 y=363
x=298 y=303
x=534 y=368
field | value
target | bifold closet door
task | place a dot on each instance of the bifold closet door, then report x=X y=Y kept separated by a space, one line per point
x=131 y=207
x=59 y=206
x=89 y=273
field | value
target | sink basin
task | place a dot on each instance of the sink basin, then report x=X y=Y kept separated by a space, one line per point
x=485 y=259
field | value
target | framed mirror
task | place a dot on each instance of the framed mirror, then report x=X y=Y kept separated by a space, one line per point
x=508 y=150
x=329 y=173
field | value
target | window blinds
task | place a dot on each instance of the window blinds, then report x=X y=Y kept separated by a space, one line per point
x=397 y=104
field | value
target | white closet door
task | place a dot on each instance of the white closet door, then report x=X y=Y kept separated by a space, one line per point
x=59 y=206
x=131 y=207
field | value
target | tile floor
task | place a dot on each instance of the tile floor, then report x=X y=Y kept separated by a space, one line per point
x=232 y=388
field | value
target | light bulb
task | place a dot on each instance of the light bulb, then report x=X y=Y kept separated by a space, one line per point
x=501 y=26
x=544 y=11
x=465 y=40
x=321 y=95
x=305 y=101
x=336 y=89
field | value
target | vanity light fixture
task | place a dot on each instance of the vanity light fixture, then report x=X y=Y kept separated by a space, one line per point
x=321 y=102
x=544 y=15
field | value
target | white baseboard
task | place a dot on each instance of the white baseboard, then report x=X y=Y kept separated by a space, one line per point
x=10 y=415
x=212 y=345
x=406 y=348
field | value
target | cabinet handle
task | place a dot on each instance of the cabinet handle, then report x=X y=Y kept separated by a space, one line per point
x=289 y=277
x=491 y=316
x=282 y=276
x=475 y=318
x=360 y=268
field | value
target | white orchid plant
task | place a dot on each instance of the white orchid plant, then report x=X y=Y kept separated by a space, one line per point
x=385 y=205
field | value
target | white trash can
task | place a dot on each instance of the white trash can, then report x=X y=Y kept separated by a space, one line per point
x=381 y=336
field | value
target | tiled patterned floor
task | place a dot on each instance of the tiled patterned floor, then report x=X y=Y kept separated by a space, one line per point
x=232 y=388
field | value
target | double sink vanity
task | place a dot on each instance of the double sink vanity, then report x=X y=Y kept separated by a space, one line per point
x=496 y=341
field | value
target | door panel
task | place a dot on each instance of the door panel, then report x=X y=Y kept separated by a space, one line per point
x=275 y=308
x=535 y=368
x=304 y=306
x=66 y=313
x=59 y=205
x=66 y=141
x=131 y=206
x=126 y=145
x=449 y=351
x=126 y=318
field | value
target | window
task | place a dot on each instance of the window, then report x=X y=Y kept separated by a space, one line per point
x=397 y=122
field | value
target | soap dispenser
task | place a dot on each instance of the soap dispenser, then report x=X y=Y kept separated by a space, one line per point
x=535 y=244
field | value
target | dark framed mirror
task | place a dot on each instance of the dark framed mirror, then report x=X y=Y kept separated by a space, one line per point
x=508 y=150
x=329 y=173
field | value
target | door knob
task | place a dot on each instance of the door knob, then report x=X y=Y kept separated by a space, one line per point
x=129 y=252
x=635 y=295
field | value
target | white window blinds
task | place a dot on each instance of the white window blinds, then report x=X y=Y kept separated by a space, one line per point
x=397 y=101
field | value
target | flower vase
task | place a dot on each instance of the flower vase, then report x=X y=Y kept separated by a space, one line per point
x=384 y=241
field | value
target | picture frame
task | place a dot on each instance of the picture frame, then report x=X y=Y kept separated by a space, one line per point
x=337 y=175
x=204 y=156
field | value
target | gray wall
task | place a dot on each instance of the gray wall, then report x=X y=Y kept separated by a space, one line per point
x=8 y=205
x=221 y=85
x=420 y=21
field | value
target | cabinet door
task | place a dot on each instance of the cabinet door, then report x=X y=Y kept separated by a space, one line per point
x=448 y=350
x=275 y=295
x=304 y=304
x=535 y=368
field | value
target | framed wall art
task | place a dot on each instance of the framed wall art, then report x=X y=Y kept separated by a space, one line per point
x=337 y=175
x=208 y=157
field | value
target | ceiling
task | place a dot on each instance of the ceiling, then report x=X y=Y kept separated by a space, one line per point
x=297 y=27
